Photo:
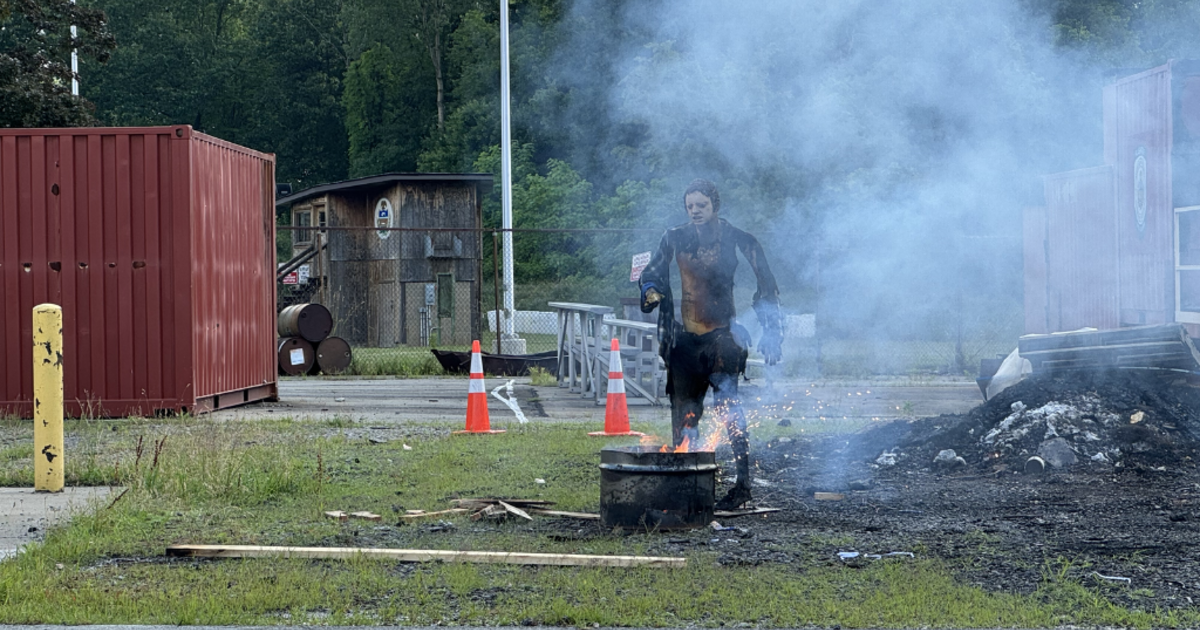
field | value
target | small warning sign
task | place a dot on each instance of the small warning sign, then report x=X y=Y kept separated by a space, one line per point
x=639 y=265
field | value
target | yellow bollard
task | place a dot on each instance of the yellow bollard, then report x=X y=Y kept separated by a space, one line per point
x=47 y=398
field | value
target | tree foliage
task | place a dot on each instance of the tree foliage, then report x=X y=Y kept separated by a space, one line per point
x=341 y=88
x=35 y=60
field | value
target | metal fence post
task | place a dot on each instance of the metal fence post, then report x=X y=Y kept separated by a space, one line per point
x=496 y=283
x=47 y=398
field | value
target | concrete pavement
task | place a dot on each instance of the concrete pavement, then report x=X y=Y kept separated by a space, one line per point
x=25 y=514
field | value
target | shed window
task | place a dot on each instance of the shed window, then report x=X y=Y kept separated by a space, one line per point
x=303 y=219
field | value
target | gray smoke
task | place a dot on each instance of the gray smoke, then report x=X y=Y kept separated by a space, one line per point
x=882 y=150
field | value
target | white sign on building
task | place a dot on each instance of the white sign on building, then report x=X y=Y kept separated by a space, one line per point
x=384 y=217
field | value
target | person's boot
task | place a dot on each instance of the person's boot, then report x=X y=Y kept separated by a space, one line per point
x=740 y=492
x=738 y=495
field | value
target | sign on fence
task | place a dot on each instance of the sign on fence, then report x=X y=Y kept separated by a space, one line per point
x=640 y=261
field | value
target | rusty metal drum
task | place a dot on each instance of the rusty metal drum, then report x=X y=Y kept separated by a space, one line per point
x=643 y=488
x=312 y=322
x=333 y=355
x=296 y=356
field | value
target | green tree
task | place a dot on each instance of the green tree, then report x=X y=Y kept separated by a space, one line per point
x=35 y=61
x=386 y=114
x=263 y=73
x=298 y=111
x=179 y=61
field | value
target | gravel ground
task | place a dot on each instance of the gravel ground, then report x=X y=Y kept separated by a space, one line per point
x=1127 y=526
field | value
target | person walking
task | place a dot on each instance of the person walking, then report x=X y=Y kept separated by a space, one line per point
x=708 y=348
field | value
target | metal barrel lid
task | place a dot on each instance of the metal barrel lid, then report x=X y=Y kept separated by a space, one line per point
x=333 y=355
x=296 y=356
x=311 y=321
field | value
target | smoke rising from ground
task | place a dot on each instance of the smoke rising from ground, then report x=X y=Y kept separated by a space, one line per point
x=882 y=150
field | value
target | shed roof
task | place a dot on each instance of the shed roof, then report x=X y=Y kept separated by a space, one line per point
x=481 y=179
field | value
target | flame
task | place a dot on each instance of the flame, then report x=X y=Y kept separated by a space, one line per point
x=682 y=448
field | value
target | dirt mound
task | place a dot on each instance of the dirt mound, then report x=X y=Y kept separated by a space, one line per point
x=1121 y=419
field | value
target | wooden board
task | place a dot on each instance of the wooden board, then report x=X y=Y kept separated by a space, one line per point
x=480 y=502
x=515 y=510
x=580 y=515
x=737 y=513
x=421 y=555
x=416 y=514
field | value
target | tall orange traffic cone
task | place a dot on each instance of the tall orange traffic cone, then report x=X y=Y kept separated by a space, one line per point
x=477 y=413
x=616 y=412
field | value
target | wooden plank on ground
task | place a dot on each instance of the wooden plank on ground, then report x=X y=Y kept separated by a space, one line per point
x=421 y=555
x=366 y=516
x=582 y=515
x=516 y=510
x=419 y=515
x=337 y=514
x=481 y=502
x=737 y=513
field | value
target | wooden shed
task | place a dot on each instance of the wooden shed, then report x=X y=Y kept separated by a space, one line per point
x=396 y=258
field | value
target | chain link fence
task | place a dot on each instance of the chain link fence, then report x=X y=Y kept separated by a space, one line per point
x=396 y=297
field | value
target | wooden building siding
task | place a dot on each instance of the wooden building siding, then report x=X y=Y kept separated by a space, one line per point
x=375 y=286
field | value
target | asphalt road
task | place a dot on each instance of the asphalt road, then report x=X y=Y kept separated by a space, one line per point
x=445 y=399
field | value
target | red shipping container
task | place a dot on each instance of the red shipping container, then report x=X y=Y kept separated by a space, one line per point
x=159 y=244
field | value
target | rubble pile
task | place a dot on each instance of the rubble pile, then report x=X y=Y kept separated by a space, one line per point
x=1113 y=419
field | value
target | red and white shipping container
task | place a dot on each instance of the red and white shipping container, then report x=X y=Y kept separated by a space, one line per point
x=1118 y=247
x=1078 y=252
x=159 y=244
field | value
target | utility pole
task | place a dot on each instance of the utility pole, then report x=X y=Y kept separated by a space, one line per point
x=510 y=344
x=74 y=60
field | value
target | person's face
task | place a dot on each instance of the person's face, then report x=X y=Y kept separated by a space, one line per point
x=699 y=208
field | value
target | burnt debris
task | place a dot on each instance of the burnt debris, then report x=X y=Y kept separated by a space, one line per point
x=1108 y=419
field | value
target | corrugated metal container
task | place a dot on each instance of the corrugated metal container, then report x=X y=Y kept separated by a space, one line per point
x=1138 y=144
x=1082 y=272
x=1034 y=237
x=159 y=243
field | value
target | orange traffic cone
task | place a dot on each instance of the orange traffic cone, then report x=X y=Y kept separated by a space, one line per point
x=616 y=412
x=477 y=413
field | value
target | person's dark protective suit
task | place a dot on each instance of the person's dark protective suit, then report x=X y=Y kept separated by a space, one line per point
x=710 y=348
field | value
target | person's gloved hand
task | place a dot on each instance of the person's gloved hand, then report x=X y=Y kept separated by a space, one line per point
x=651 y=297
x=771 y=346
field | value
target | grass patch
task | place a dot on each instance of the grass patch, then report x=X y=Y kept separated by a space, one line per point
x=540 y=377
x=398 y=361
x=412 y=361
x=266 y=482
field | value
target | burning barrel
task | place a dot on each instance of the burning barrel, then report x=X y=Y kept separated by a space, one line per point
x=312 y=322
x=644 y=488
